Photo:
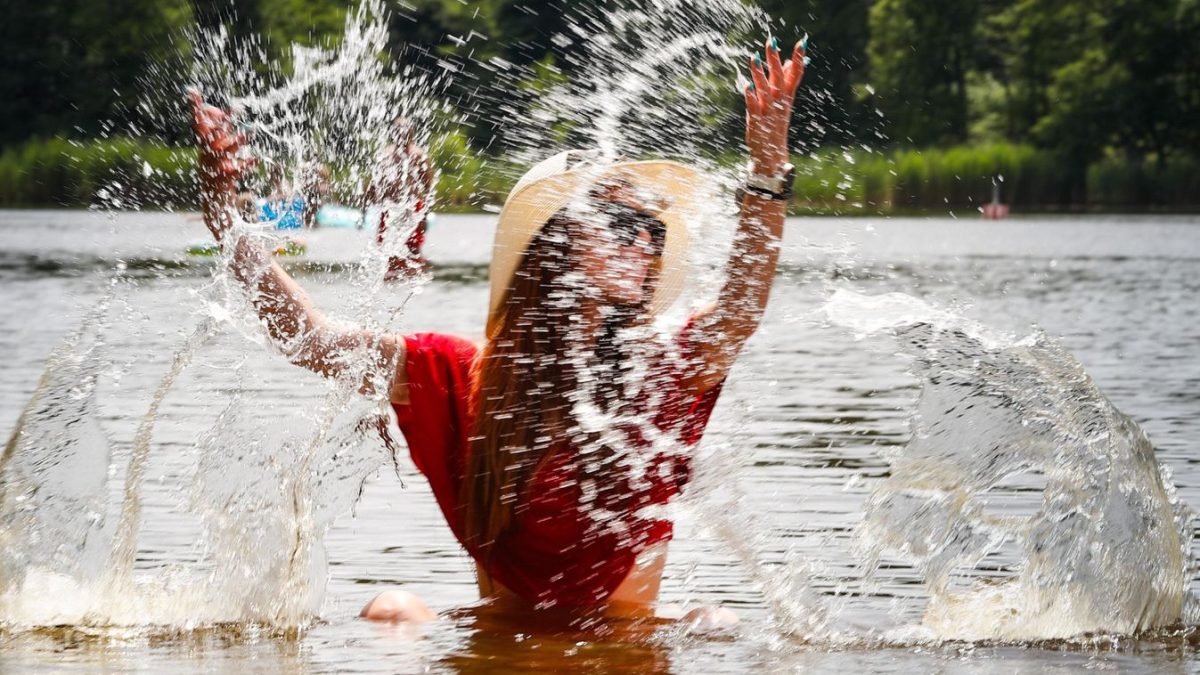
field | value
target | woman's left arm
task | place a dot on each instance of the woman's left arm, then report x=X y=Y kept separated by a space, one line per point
x=719 y=332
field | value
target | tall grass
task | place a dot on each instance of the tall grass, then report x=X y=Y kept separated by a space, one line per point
x=953 y=178
x=1119 y=184
x=118 y=172
x=124 y=172
x=961 y=178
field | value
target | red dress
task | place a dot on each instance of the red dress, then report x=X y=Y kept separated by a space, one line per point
x=558 y=553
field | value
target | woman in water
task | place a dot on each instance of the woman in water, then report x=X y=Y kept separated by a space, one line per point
x=546 y=446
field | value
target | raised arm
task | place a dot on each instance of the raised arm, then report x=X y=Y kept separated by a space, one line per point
x=301 y=331
x=720 y=331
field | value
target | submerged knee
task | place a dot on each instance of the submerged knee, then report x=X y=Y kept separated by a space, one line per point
x=707 y=619
x=397 y=607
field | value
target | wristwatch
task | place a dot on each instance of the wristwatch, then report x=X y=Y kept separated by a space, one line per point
x=777 y=187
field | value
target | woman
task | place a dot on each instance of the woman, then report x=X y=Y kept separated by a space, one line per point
x=546 y=448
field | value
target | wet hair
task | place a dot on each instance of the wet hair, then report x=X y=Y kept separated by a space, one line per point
x=402 y=131
x=626 y=222
x=526 y=382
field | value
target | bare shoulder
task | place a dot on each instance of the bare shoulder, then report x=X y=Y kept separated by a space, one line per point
x=445 y=349
x=395 y=351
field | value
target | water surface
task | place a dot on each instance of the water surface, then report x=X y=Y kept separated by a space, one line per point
x=799 y=433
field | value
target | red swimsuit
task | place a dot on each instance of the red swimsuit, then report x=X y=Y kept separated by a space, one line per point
x=558 y=553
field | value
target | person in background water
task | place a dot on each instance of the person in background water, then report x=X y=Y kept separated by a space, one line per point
x=547 y=446
x=402 y=189
x=314 y=188
x=293 y=210
x=282 y=207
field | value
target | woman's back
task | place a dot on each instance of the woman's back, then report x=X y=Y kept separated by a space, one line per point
x=574 y=539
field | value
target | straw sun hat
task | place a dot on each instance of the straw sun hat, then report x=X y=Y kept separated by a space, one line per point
x=672 y=192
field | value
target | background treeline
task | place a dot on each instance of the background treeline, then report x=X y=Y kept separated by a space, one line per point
x=910 y=104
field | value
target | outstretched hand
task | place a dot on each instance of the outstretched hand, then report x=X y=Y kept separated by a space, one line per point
x=769 y=100
x=219 y=145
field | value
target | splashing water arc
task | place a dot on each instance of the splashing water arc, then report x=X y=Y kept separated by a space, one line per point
x=1095 y=540
x=262 y=561
x=69 y=550
x=1106 y=547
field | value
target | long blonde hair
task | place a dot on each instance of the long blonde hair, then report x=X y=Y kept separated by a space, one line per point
x=526 y=381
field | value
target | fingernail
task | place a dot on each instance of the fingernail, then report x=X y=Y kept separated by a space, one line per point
x=804 y=42
x=757 y=58
x=806 y=60
x=751 y=86
x=775 y=43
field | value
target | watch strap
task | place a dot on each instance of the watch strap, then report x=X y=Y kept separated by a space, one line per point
x=778 y=187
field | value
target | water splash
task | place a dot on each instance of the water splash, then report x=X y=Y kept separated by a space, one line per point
x=797 y=610
x=1101 y=550
x=1019 y=459
x=54 y=468
x=124 y=547
x=646 y=79
x=337 y=106
x=266 y=490
x=664 y=79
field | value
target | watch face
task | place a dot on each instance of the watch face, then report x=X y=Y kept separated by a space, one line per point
x=785 y=177
x=778 y=186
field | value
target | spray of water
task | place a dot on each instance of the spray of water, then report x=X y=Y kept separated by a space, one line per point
x=1017 y=456
x=337 y=108
x=54 y=467
x=646 y=79
x=124 y=548
x=1102 y=547
x=664 y=80
x=261 y=558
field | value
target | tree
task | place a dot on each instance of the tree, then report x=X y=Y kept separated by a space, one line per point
x=830 y=94
x=919 y=54
x=1108 y=75
x=71 y=66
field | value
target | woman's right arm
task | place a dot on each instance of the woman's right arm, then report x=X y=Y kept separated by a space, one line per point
x=301 y=330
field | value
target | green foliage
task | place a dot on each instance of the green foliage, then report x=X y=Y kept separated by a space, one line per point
x=1067 y=99
x=465 y=180
x=71 y=64
x=1087 y=77
x=960 y=179
x=1033 y=40
x=305 y=22
x=920 y=52
x=1120 y=184
x=121 y=172
x=837 y=47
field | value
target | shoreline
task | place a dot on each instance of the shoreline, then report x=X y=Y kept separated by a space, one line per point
x=793 y=212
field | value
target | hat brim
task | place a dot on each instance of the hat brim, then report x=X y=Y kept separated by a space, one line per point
x=683 y=189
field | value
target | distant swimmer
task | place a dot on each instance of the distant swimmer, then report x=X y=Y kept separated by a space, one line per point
x=401 y=191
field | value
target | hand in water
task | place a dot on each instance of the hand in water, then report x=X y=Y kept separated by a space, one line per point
x=769 y=104
x=219 y=144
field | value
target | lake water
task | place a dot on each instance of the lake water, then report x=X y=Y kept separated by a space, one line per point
x=800 y=435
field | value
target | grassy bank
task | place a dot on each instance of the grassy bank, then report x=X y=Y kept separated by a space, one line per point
x=124 y=172
x=120 y=172
x=961 y=178
x=127 y=173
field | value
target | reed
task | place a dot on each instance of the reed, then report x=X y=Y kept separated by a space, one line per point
x=126 y=172
x=1120 y=184
x=957 y=178
x=119 y=172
